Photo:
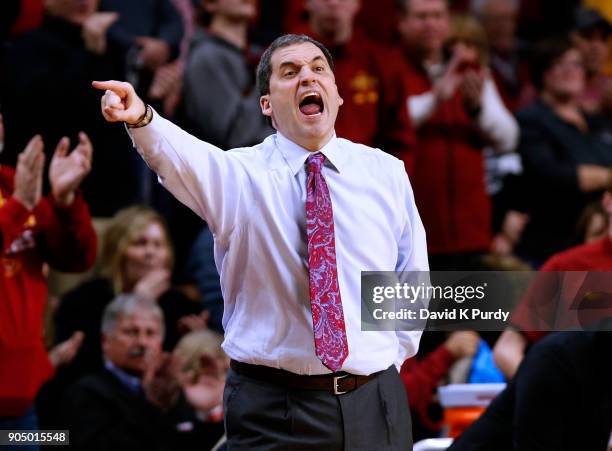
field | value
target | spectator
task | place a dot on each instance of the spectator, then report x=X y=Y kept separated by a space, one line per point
x=202 y=270
x=566 y=153
x=593 y=223
x=590 y=36
x=134 y=402
x=221 y=102
x=455 y=109
x=545 y=304
x=510 y=71
x=34 y=231
x=369 y=78
x=136 y=258
x=560 y=399
x=204 y=371
x=511 y=75
x=421 y=377
x=167 y=85
x=49 y=71
x=148 y=34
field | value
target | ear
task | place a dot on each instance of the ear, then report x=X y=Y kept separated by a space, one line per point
x=606 y=202
x=104 y=339
x=266 y=105
x=209 y=6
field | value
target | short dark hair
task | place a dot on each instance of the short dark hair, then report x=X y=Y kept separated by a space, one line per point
x=264 y=68
x=403 y=6
x=543 y=57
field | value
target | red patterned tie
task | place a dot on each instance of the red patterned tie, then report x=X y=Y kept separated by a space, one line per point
x=327 y=315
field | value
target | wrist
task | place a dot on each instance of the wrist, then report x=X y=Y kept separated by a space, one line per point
x=27 y=204
x=64 y=200
x=144 y=119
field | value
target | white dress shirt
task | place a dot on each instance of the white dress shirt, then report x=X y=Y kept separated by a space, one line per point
x=254 y=201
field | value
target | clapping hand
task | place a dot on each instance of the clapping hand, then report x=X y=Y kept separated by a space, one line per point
x=66 y=351
x=153 y=284
x=471 y=86
x=29 y=173
x=203 y=388
x=154 y=52
x=67 y=171
x=161 y=381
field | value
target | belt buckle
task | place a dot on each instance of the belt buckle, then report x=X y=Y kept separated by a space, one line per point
x=337 y=391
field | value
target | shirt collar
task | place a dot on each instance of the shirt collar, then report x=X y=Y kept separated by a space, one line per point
x=132 y=383
x=295 y=156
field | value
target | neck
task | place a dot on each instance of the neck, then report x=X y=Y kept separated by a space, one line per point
x=314 y=144
x=423 y=57
x=233 y=31
x=558 y=103
x=567 y=108
x=338 y=36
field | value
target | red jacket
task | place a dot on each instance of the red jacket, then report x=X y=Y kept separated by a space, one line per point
x=446 y=167
x=370 y=81
x=369 y=78
x=62 y=237
x=421 y=379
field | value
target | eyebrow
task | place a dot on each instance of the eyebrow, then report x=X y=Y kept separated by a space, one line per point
x=294 y=64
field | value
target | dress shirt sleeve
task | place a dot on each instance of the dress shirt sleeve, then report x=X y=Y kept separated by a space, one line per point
x=205 y=178
x=495 y=121
x=412 y=256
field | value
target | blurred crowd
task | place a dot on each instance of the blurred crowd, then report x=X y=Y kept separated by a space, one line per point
x=500 y=109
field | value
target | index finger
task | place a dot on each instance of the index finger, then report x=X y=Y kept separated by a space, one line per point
x=118 y=87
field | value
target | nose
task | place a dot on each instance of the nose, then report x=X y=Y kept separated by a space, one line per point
x=308 y=76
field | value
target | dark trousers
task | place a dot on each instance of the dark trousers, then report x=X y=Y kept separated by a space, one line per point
x=265 y=416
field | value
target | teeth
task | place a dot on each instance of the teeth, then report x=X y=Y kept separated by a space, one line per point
x=310 y=94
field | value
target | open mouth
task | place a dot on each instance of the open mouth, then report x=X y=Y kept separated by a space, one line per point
x=311 y=104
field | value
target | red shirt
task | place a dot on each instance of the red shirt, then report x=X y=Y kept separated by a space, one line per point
x=566 y=281
x=62 y=237
x=446 y=167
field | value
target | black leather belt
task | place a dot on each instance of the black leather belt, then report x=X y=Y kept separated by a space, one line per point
x=336 y=383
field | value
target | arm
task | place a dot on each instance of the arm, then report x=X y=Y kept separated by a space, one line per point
x=217 y=108
x=208 y=180
x=171 y=26
x=412 y=256
x=509 y=351
x=495 y=121
x=423 y=106
x=26 y=194
x=69 y=241
x=537 y=153
x=538 y=156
